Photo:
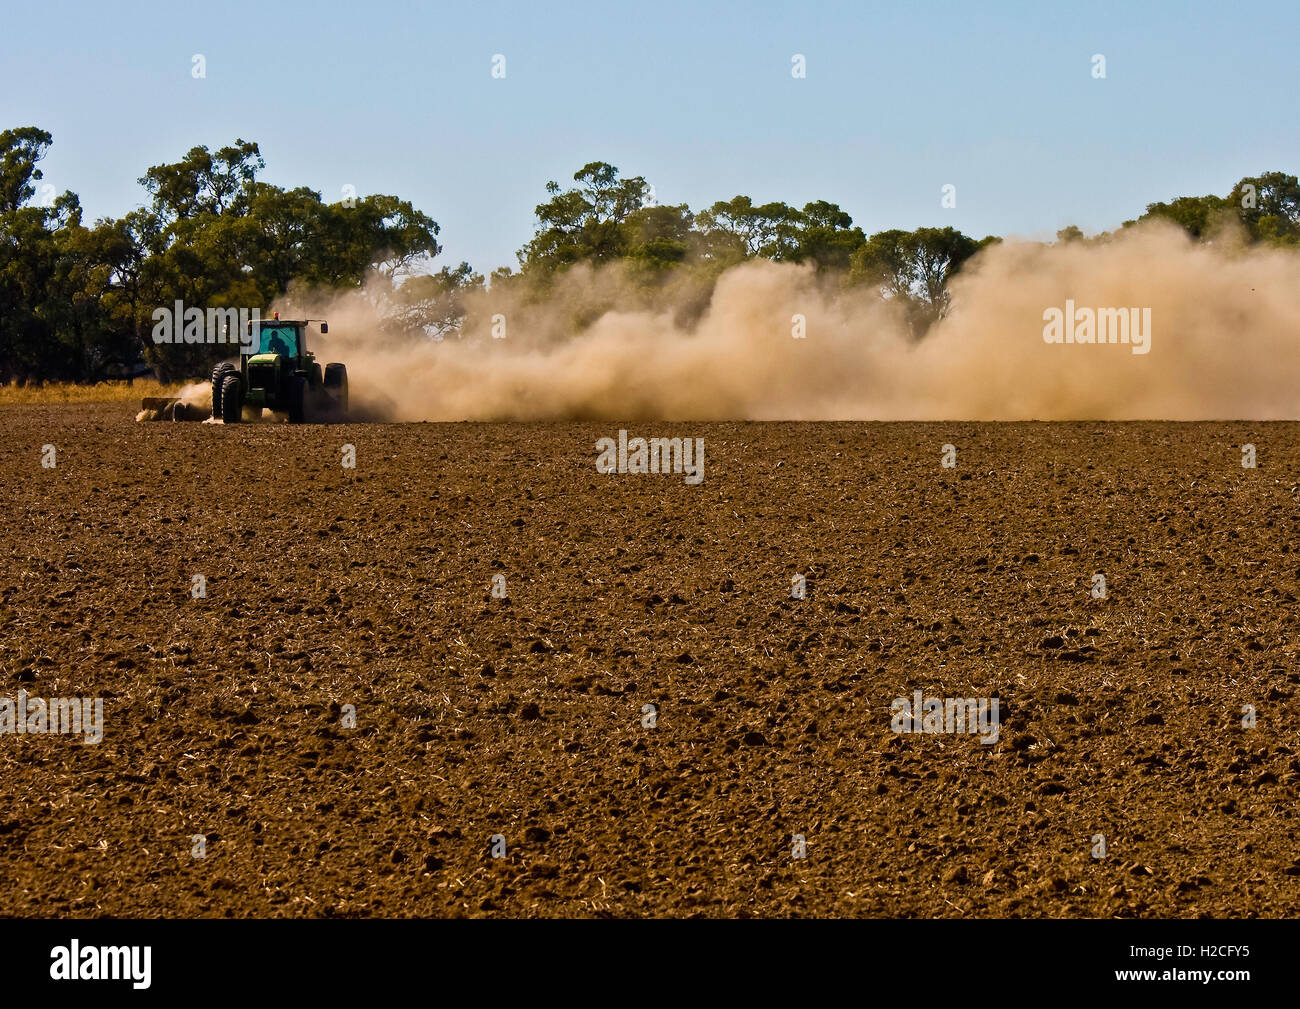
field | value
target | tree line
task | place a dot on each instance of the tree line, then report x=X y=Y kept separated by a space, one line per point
x=77 y=300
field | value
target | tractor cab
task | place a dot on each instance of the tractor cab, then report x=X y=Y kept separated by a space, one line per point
x=281 y=338
x=285 y=337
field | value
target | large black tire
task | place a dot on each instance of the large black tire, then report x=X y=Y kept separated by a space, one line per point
x=298 y=398
x=232 y=399
x=336 y=385
x=219 y=374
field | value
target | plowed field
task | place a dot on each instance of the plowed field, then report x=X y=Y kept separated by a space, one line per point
x=525 y=718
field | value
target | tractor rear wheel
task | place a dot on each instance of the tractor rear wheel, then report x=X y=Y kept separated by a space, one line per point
x=336 y=385
x=219 y=374
x=298 y=398
x=232 y=399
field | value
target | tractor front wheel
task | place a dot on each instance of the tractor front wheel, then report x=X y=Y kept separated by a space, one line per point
x=219 y=374
x=336 y=386
x=232 y=399
x=298 y=398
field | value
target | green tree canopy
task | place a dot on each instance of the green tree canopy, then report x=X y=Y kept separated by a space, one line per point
x=914 y=267
x=585 y=222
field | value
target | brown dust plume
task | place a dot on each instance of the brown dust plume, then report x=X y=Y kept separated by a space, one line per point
x=1224 y=344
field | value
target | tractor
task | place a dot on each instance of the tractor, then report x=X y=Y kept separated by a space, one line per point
x=280 y=374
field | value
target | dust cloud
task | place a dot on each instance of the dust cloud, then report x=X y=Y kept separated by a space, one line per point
x=1224 y=344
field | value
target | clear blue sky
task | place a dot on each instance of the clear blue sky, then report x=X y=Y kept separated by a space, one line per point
x=995 y=97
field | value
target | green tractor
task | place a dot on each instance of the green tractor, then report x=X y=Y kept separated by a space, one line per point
x=280 y=374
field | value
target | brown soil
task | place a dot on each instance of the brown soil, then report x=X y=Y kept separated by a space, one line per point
x=479 y=716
